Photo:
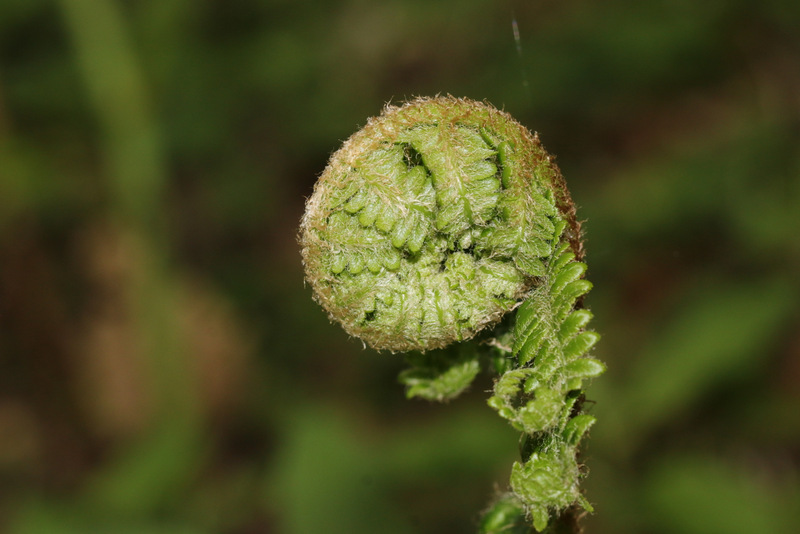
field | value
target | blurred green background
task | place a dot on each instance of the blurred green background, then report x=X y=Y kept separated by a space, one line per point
x=164 y=369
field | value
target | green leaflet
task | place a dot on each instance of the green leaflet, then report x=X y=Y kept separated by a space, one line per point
x=548 y=479
x=505 y=516
x=442 y=374
x=550 y=345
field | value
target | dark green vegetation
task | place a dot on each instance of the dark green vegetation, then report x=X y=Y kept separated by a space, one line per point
x=163 y=368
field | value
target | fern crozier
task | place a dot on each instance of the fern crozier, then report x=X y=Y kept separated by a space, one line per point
x=428 y=226
x=431 y=223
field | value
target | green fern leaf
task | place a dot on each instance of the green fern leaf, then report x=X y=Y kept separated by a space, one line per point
x=576 y=428
x=440 y=375
x=580 y=345
x=573 y=324
x=550 y=344
x=584 y=368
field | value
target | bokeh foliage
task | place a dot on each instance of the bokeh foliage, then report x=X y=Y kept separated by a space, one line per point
x=164 y=369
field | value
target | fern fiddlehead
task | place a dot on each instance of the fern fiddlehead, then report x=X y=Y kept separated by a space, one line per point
x=426 y=228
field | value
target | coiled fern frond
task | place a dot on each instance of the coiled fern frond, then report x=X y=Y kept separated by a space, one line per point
x=427 y=227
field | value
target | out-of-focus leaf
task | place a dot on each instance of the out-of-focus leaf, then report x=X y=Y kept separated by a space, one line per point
x=64 y=517
x=721 y=332
x=701 y=495
x=326 y=480
x=149 y=475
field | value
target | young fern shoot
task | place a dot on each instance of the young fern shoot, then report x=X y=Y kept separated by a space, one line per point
x=425 y=230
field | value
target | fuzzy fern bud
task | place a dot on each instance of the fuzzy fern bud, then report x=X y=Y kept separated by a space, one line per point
x=431 y=223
